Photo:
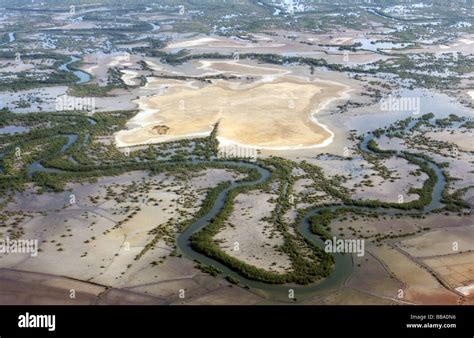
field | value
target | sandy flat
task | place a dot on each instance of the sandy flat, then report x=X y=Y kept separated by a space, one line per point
x=421 y=286
x=119 y=59
x=191 y=43
x=467 y=41
x=240 y=68
x=22 y=287
x=464 y=141
x=91 y=243
x=277 y=114
x=341 y=40
x=455 y=269
x=440 y=242
x=129 y=77
x=211 y=42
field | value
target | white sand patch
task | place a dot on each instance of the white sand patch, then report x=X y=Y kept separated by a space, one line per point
x=91 y=69
x=238 y=68
x=123 y=60
x=191 y=43
x=262 y=38
x=340 y=40
x=129 y=76
x=210 y=42
x=466 y=41
x=466 y=290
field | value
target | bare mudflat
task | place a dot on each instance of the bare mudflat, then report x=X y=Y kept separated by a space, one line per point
x=218 y=42
x=270 y=115
x=261 y=242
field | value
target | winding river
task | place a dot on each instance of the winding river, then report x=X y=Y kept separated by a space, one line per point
x=38 y=167
x=343 y=262
x=83 y=76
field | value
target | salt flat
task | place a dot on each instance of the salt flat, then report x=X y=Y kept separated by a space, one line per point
x=277 y=112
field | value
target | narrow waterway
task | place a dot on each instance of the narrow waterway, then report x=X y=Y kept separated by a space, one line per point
x=83 y=76
x=343 y=266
